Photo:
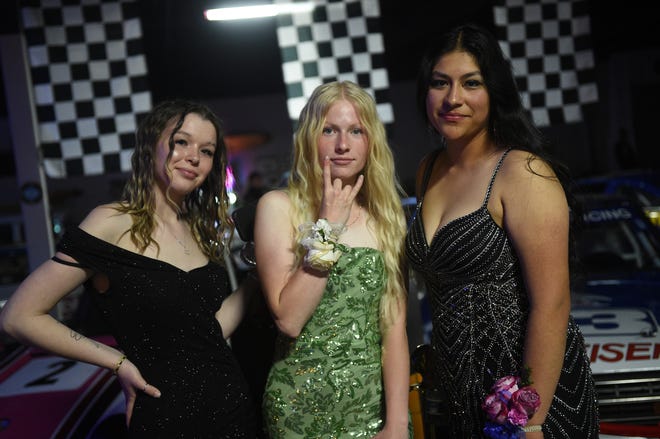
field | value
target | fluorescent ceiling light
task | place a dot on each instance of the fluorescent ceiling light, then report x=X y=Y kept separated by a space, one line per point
x=257 y=11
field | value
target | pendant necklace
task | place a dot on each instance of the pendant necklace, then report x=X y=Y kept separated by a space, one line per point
x=183 y=245
x=356 y=218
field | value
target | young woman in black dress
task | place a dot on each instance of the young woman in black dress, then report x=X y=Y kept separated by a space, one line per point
x=154 y=263
x=491 y=238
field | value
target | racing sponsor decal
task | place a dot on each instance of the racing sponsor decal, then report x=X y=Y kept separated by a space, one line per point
x=620 y=339
x=614 y=352
x=615 y=321
x=605 y=215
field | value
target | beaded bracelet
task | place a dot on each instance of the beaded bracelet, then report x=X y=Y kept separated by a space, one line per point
x=118 y=365
x=532 y=428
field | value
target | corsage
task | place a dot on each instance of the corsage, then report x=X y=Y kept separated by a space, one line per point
x=509 y=406
x=320 y=241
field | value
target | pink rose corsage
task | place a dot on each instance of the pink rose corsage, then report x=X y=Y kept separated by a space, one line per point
x=509 y=406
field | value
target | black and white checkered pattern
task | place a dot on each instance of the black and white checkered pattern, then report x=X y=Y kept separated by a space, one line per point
x=339 y=40
x=548 y=42
x=89 y=79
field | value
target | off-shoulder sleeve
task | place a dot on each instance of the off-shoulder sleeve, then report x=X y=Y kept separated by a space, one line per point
x=69 y=263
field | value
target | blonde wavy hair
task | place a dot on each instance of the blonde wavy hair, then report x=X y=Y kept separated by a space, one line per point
x=380 y=193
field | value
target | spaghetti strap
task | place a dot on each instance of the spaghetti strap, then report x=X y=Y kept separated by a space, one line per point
x=492 y=178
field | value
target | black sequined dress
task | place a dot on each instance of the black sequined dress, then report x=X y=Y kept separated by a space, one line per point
x=163 y=319
x=479 y=314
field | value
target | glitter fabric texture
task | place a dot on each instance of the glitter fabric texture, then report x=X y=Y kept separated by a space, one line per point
x=164 y=320
x=479 y=307
x=327 y=382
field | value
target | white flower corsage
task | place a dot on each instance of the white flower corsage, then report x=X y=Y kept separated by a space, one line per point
x=320 y=240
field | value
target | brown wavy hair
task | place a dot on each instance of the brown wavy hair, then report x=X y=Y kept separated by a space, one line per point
x=205 y=208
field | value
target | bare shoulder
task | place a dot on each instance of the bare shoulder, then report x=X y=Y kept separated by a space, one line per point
x=529 y=182
x=274 y=200
x=106 y=222
x=523 y=165
x=273 y=213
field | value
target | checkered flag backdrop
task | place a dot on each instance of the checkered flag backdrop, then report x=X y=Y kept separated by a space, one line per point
x=89 y=79
x=339 y=40
x=548 y=42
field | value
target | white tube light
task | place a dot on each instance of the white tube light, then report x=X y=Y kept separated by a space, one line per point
x=257 y=11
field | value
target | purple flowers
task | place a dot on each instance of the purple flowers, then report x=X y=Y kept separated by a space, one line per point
x=508 y=407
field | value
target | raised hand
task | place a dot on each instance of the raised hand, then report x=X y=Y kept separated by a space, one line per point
x=337 y=197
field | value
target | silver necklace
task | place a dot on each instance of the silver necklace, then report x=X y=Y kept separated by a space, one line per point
x=183 y=245
x=356 y=218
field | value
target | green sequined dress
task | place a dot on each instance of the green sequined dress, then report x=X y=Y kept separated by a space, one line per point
x=327 y=383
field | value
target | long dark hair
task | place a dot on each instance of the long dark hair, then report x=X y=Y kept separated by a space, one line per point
x=510 y=124
x=205 y=208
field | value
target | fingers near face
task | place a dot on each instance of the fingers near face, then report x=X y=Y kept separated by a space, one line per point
x=344 y=142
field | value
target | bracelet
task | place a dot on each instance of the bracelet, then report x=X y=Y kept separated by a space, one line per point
x=532 y=428
x=118 y=365
x=320 y=241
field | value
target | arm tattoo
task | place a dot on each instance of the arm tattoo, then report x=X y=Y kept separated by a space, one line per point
x=74 y=335
x=77 y=337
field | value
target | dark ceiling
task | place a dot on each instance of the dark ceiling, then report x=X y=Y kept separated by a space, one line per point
x=189 y=56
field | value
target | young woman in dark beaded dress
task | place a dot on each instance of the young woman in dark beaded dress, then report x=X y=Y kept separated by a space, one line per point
x=491 y=238
x=155 y=267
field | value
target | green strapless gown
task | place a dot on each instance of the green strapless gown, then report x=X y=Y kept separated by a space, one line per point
x=327 y=383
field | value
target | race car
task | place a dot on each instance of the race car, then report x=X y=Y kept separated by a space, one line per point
x=49 y=397
x=616 y=302
x=641 y=186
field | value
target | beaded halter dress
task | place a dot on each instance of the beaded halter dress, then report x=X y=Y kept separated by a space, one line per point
x=479 y=312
